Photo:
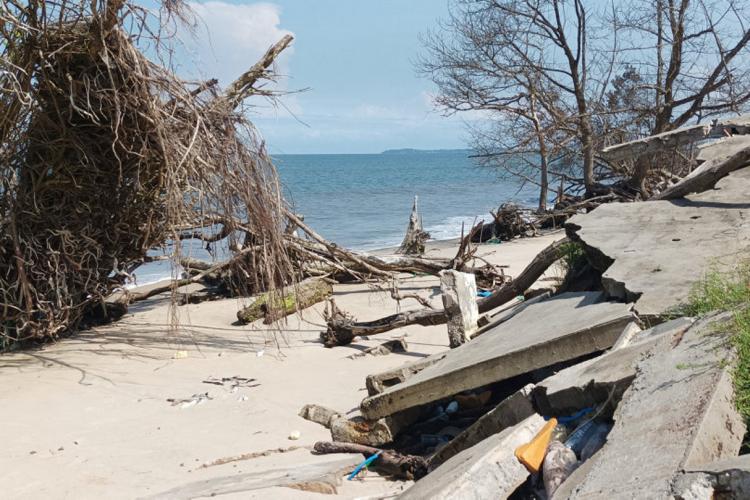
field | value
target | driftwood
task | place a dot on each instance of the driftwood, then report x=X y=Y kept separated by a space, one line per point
x=415 y=237
x=409 y=467
x=293 y=299
x=706 y=176
x=342 y=329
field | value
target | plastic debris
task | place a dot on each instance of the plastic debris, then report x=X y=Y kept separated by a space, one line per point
x=195 y=399
x=364 y=464
x=596 y=439
x=559 y=463
x=532 y=454
x=578 y=438
x=470 y=401
x=294 y=435
x=452 y=407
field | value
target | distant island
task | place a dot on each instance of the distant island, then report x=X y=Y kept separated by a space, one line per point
x=411 y=151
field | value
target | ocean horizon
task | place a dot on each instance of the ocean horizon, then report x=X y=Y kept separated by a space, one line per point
x=363 y=201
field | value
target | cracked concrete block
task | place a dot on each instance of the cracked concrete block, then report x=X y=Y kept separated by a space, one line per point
x=459 y=292
x=655 y=251
x=486 y=470
x=678 y=413
x=593 y=381
x=507 y=413
x=728 y=479
x=560 y=329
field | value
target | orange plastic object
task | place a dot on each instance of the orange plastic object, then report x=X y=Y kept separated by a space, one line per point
x=532 y=453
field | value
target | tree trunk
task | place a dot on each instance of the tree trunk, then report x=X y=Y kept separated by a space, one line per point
x=294 y=298
x=415 y=237
x=342 y=329
x=409 y=467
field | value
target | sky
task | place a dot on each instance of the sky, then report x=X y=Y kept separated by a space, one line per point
x=352 y=61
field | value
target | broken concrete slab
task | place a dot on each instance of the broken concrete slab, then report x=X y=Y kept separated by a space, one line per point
x=605 y=377
x=678 y=413
x=559 y=329
x=677 y=138
x=507 y=413
x=459 y=293
x=486 y=470
x=317 y=477
x=723 y=147
x=727 y=479
x=627 y=335
x=655 y=251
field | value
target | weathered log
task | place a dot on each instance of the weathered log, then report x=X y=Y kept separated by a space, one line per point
x=526 y=279
x=706 y=176
x=342 y=329
x=275 y=305
x=409 y=467
x=415 y=237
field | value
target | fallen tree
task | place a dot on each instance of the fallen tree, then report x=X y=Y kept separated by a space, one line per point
x=107 y=154
x=342 y=329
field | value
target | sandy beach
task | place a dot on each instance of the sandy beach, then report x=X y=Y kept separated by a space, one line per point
x=89 y=416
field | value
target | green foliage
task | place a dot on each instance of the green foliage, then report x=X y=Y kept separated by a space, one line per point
x=729 y=292
x=572 y=255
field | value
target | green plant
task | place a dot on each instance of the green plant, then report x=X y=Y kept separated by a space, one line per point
x=728 y=291
x=572 y=255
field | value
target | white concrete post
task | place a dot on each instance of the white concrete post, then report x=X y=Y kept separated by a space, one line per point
x=460 y=301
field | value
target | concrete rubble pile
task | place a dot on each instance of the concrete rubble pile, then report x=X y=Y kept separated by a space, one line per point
x=592 y=394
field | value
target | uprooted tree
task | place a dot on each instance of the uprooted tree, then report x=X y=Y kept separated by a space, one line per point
x=106 y=154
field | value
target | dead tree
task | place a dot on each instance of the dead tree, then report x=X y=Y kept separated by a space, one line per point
x=415 y=237
x=342 y=329
x=670 y=37
x=528 y=62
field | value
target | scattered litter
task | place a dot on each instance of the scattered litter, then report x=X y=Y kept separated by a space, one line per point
x=294 y=435
x=195 y=399
x=595 y=440
x=452 y=407
x=559 y=463
x=572 y=418
x=363 y=465
x=483 y=293
x=260 y=353
x=232 y=382
x=471 y=401
x=532 y=454
x=180 y=355
x=242 y=398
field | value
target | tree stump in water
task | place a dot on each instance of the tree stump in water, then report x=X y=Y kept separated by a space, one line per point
x=416 y=237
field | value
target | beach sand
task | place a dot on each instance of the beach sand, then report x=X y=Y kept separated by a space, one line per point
x=88 y=417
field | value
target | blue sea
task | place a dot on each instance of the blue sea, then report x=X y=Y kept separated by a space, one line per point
x=363 y=201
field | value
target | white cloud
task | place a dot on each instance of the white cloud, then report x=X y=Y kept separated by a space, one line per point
x=229 y=38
